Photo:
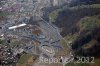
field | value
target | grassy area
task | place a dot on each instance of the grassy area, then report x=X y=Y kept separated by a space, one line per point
x=89 y=23
x=15 y=42
x=70 y=64
x=24 y=58
x=67 y=40
x=71 y=37
x=85 y=6
x=89 y=44
x=54 y=15
x=96 y=62
x=2 y=41
x=4 y=14
x=66 y=49
x=77 y=64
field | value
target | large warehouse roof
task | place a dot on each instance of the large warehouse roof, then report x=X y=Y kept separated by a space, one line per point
x=17 y=26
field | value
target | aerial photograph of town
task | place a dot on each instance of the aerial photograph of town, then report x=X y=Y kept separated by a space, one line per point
x=49 y=32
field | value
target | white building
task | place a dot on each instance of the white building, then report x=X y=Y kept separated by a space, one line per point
x=17 y=26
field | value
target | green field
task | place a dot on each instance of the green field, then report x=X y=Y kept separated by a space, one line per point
x=89 y=23
x=77 y=64
x=3 y=14
x=24 y=58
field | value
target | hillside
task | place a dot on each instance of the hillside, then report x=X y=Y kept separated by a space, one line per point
x=80 y=25
x=69 y=17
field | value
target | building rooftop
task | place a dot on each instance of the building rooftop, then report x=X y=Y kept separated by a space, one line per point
x=17 y=26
